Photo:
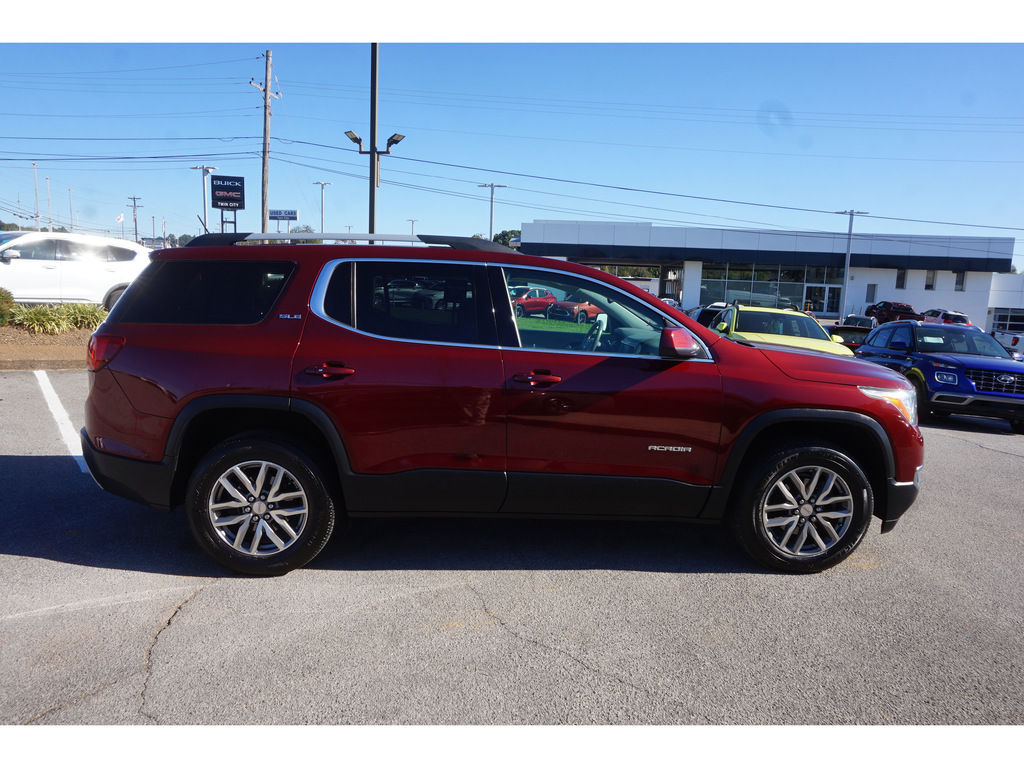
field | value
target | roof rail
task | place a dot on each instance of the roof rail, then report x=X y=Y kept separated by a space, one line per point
x=451 y=241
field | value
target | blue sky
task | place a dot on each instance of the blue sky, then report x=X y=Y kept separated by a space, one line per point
x=925 y=137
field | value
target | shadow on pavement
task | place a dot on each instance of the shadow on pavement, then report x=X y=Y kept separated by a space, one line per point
x=50 y=509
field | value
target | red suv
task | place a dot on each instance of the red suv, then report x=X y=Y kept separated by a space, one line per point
x=269 y=389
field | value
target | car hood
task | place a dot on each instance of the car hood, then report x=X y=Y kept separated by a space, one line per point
x=831 y=369
x=975 y=361
x=818 y=345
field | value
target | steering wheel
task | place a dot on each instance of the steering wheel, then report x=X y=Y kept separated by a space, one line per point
x=593 y=338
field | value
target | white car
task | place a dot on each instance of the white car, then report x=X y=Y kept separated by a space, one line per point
x=65 y=268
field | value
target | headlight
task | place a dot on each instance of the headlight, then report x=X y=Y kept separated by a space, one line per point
x=904 y=399
x=945 y=378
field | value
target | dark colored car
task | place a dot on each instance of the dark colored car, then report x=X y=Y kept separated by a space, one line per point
x=705 y=313
x=270 y=389
x=955 y=368
x=860 y=321
x=853 y=335
x=887 y=311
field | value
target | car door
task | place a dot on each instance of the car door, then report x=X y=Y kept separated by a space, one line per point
x=589 y=405
x=415 y=393
x=34 y=276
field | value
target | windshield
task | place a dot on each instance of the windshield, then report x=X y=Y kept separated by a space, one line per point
x=958 y=341
x=780 y=324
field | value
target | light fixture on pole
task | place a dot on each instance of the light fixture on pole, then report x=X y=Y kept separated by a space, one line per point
x=373 y=152
x=849 y=249
x=412 y=226
x=322 y=185
x=490 y=236
x=206 y=172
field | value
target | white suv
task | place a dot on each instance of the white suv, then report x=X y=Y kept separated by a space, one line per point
x=62 y=268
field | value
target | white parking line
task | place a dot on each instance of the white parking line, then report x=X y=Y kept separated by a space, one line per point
x=64 y=425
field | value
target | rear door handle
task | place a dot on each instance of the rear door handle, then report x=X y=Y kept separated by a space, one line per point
x=330 y=370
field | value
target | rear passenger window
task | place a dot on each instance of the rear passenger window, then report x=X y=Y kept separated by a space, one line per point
x=418 y=301
x=203 y=293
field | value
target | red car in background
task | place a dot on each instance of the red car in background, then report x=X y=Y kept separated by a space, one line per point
x=574 y=308
x=887 y=311
x=531 y=301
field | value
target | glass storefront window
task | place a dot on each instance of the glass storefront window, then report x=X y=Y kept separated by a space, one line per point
x=791 y=275
x=741 y=272
x=712 y=290
x=835 y=275
x=815 y=275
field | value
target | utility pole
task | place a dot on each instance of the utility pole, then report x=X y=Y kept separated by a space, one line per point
x=135 y=218
x=322 y=185
x=412 y=226
x=49 y=208
x=265 y=186
x=206 y=172
x=849 y=248
x=71 y=213
x=35 y=174
x=492 y=186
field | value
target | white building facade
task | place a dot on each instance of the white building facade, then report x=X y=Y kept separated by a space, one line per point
x=808 y=269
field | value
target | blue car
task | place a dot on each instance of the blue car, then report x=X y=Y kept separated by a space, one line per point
x=955 y=368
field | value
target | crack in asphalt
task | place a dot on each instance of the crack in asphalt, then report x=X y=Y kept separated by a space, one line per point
x=144 y=669
x=560 y=651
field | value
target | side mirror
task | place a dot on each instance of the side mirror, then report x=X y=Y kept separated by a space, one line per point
x=837 y=339
x=678 y=343
x=1017 y=356
x=9 y=254
x=722 y=327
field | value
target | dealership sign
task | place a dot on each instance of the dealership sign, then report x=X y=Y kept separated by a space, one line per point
x=279 y=214
x=228 y=192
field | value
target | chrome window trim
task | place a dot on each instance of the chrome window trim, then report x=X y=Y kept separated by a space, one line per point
x=316 y=306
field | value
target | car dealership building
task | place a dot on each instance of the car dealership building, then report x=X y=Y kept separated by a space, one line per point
x=699 y=265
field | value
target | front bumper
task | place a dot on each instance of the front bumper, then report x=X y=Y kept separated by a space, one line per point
x=899 y=497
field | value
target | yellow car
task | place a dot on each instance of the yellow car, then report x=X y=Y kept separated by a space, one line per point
x=777 y=326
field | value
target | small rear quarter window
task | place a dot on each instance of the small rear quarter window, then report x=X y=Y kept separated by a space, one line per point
x=203 y=293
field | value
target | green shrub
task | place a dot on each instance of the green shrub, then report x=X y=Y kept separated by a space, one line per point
x=40 y=318
x=87 y=316
x=6 y=306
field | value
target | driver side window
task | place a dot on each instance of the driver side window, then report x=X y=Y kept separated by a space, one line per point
x=565 y=312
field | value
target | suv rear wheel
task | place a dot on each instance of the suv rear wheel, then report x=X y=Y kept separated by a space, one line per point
x=259 y=506
x=803 y=508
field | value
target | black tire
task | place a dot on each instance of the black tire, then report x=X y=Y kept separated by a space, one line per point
x=1017 y=425
x=924 y=412
x=582 y=317
x=802 y=509
x=112 y=299
x=259 y=506
x=519 y=310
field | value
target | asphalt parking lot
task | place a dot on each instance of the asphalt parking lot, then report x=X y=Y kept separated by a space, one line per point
x=111 y=615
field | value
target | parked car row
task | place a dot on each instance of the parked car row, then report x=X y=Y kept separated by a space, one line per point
x=66 y=268
x=954 y=366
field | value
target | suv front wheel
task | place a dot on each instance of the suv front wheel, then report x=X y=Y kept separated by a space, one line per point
x=803 y=508
x=259 y=506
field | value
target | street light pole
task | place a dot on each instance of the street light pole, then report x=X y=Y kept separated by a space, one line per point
x=206 y=172
x=373 y=152
x=412 y=226
x=492 y=186
x=322 y=185
x=849 y=248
